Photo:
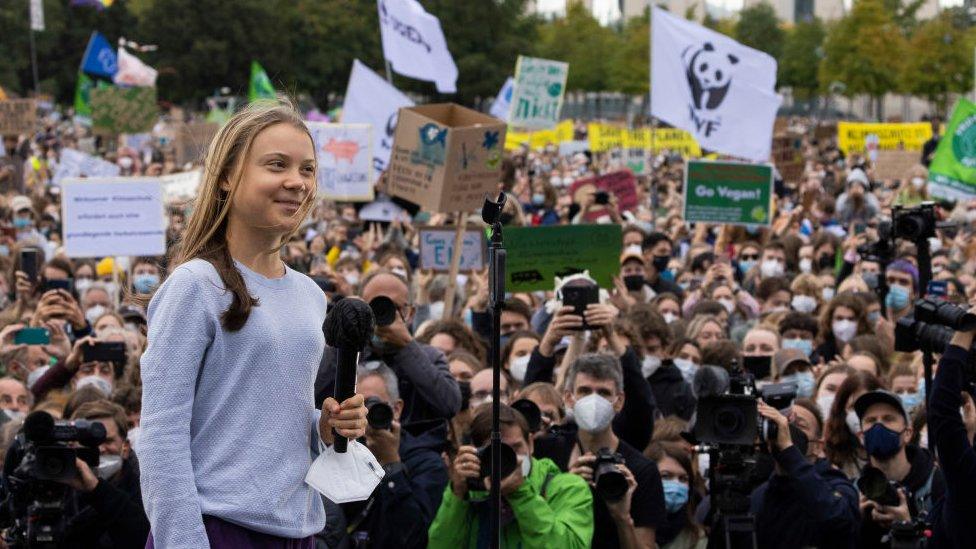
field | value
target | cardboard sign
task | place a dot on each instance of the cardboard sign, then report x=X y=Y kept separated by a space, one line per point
x=787 y=159
x=123 y=110
x=604 y=137
x=621 y=183
x=78 y=164
x=437 y=249
x=192 y=140
x=446 y=157
x=851 y=136
x=117 y=216
x=730 y=193
x=537 y=255
x=18 y=116
x=895 y=164
x=345 y=156
x=181 y=187
x=538 y=96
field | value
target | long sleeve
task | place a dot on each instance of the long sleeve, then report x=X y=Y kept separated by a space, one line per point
x=120 y=515
x=181 y=328
x=563 y=519
x=55 y=377
x=540 y=368
x=832 y=506
x=408 y=501
x=946 y=429
x=635 y=423
x=431 y=379
x=450 y=527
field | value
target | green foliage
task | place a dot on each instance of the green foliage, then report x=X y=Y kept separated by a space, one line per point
x=800 y=57
x=580 y=40
x=630 y=67
x=758 y=28
x=939 y=61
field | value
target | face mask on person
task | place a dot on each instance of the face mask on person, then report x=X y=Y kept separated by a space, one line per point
x=14 y=415
x=918 y=182
x=649 y=365
x=21 y=223
x=538 y=199
x=634 y=282
x=803 y=304
x=827 y=293
x=770 y=268
x=660 y=262
x=82 y=284
x=853 y=422
x=518 y=366
x=94 y=312
x=133 y=437
x=593 y=413
x=758 y=366
x=98 y=382
x=436 y=310
x=881 y=442
x=804 y=345
x=399 y=271
x=911 y=400
x=525 y=461
x=352 y=278
x=870 y=278
x=108 y=466
x=145 y=283
x=687 y=368
x=729 y=304
x=897 y=298
x=35 y=375
x=670 y=317
x=874 y=317
x=675 y=494
x=806 y=265
x=844 y=330
x=825 y=402
x=804 y=382
x=746 y=265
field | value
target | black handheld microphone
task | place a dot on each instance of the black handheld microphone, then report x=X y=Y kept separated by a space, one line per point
x=348 y=328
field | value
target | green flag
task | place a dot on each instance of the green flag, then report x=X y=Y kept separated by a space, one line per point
x=952 y=174
x=83 y=94
x=260 y=87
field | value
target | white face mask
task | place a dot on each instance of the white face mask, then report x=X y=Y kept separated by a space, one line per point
x=14 y=415
x=399 y=271
x=518 y=366
x=935 y=245
x=133 y=437
x=806 y=265
x=844 y=330
x=108 y=466
x=436 y=310
x=352 y=278
x=593 y=413
x=770 y=268
x=853 y=422
x=803 y=304
x=918 y=182
x=98 y=382
x=649 y=365
x=526 y=462
x=35 y=375
x=728 y=304
x=687 y=368
x=825 y=402
x=94 y=312
x=82 y=284
x=670 y=317
x=828 y=293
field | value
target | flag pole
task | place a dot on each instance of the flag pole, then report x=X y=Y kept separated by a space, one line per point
x=33 y=52
x=650 y=109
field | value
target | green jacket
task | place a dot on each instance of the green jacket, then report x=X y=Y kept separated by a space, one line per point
x=563 y=517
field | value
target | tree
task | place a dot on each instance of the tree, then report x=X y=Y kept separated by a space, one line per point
x=938 y=61
x=864 y=51
x=580 y=40
x=801 y=55
x=758 y=28
x=629 y=69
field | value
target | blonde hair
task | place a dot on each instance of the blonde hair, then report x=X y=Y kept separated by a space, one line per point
x=206 y=230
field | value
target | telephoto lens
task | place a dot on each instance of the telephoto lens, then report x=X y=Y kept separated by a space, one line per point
x=384 y=310
x=876 y=487
x=947 y=314
x=610 y=482
x=379 y=415
x=506 y=467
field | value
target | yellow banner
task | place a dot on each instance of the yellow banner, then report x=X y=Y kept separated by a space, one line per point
x=891 y=136
x=604 y=137
x=537 y=140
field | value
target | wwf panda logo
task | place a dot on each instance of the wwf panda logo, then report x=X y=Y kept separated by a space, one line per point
x=709 y=74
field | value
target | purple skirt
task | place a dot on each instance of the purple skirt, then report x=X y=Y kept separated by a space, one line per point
x=226 y=535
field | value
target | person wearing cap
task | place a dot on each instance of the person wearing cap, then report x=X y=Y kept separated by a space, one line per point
x=885 y=432
x=857 y=204
x=658 y=249
x=794 y=366
x=23 y=218
x=631 y=285
x=901 y=277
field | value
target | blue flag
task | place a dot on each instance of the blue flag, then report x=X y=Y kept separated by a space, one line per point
x=100 y=59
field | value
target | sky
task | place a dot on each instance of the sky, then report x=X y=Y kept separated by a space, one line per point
x=608 y=8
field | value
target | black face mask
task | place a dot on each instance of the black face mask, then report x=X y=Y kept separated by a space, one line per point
x=758 y=366
x=465 y=387
x=661 y=262
x=634 y=282
x=826 y=261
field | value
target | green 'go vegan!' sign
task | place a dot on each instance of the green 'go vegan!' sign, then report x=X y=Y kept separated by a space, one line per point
x=731 y=193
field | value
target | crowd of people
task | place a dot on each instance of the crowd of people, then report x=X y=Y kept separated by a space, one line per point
x=600 y=409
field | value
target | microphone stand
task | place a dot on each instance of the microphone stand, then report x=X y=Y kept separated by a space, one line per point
x=496 y=298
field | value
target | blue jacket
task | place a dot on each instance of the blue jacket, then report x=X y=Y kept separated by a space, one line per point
x=952 y=520
x=811 y=505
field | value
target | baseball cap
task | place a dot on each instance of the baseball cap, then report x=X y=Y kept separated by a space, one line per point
x=632 y=252
x=878 y=396
x=20 y=202
x=785 y=357
x=133 y=312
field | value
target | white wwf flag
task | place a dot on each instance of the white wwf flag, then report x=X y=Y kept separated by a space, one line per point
x=133 y=72
x=372 y=100
x=414 y=44
x=715 y=88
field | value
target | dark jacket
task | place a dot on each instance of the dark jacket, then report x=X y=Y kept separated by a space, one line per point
x=812 y=504
x=111 y=515
x=952 y=520
x=426 y=386
x=826 y=351
x=672 y=394
x=405 y=502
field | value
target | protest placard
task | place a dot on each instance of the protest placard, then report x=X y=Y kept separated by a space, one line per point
x=113 y=216
x=952 y=174
x=621 y=184
x=18 y=116
x=537 y=140
x=895 y=164
x=123 y=110
x=437 y=249
x=446 y=157
x=787 y=158
x=851 y=136
x=383 y=209
x=730 y=193
x=536 y=255
x=603 y=137
x=181 y=187
x=78 y=164
x=192 y=140
x=538 y=96
x=345 y=157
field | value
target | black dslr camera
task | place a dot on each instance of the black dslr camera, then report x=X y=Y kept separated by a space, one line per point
x=916 y=223
x=506 y=467
x=610 y=481
x=41 y=458
x=379 y=415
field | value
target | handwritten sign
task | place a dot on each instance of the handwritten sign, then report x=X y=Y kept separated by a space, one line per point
x=536 y=255
x=539 y=88
x=18 y=116
x=437 y=249
x=78 y=164
x=621 y=184
x=119 y=215
x=345 y=156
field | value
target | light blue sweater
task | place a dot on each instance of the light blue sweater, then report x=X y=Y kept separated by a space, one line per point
x=228 y=417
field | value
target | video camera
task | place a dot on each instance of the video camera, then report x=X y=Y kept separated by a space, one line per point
x=931 y=327
x=916 y=223
x=38 y=463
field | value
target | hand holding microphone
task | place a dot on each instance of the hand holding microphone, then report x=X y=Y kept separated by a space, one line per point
x=348 y=328
x=347 y=419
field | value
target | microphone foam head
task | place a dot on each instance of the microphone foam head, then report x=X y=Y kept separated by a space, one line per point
x=710 y=380
x=38 y=426
x=349 y=324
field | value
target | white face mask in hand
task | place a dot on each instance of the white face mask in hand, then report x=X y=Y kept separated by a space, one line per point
x=350 y=476
x=593 y=413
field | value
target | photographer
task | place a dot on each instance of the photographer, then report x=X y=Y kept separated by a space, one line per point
x=595 y=394
x=104 y=507
x=806 y=502
x=425 y=382
x=886 y=431
x=952 y=522
x=545 y=507
x=402 y=506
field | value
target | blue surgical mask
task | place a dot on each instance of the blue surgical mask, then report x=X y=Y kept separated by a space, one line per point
x=145 y=283
x=675 y=494
x=881 y=442
x=805 y=345
x=22 y=222
x=744 y=266
x=874 y=317
x=538 y=199
x=897 y=298
x=804 y=382
x=667 y=274
x=911 y=400
x=4 y=250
